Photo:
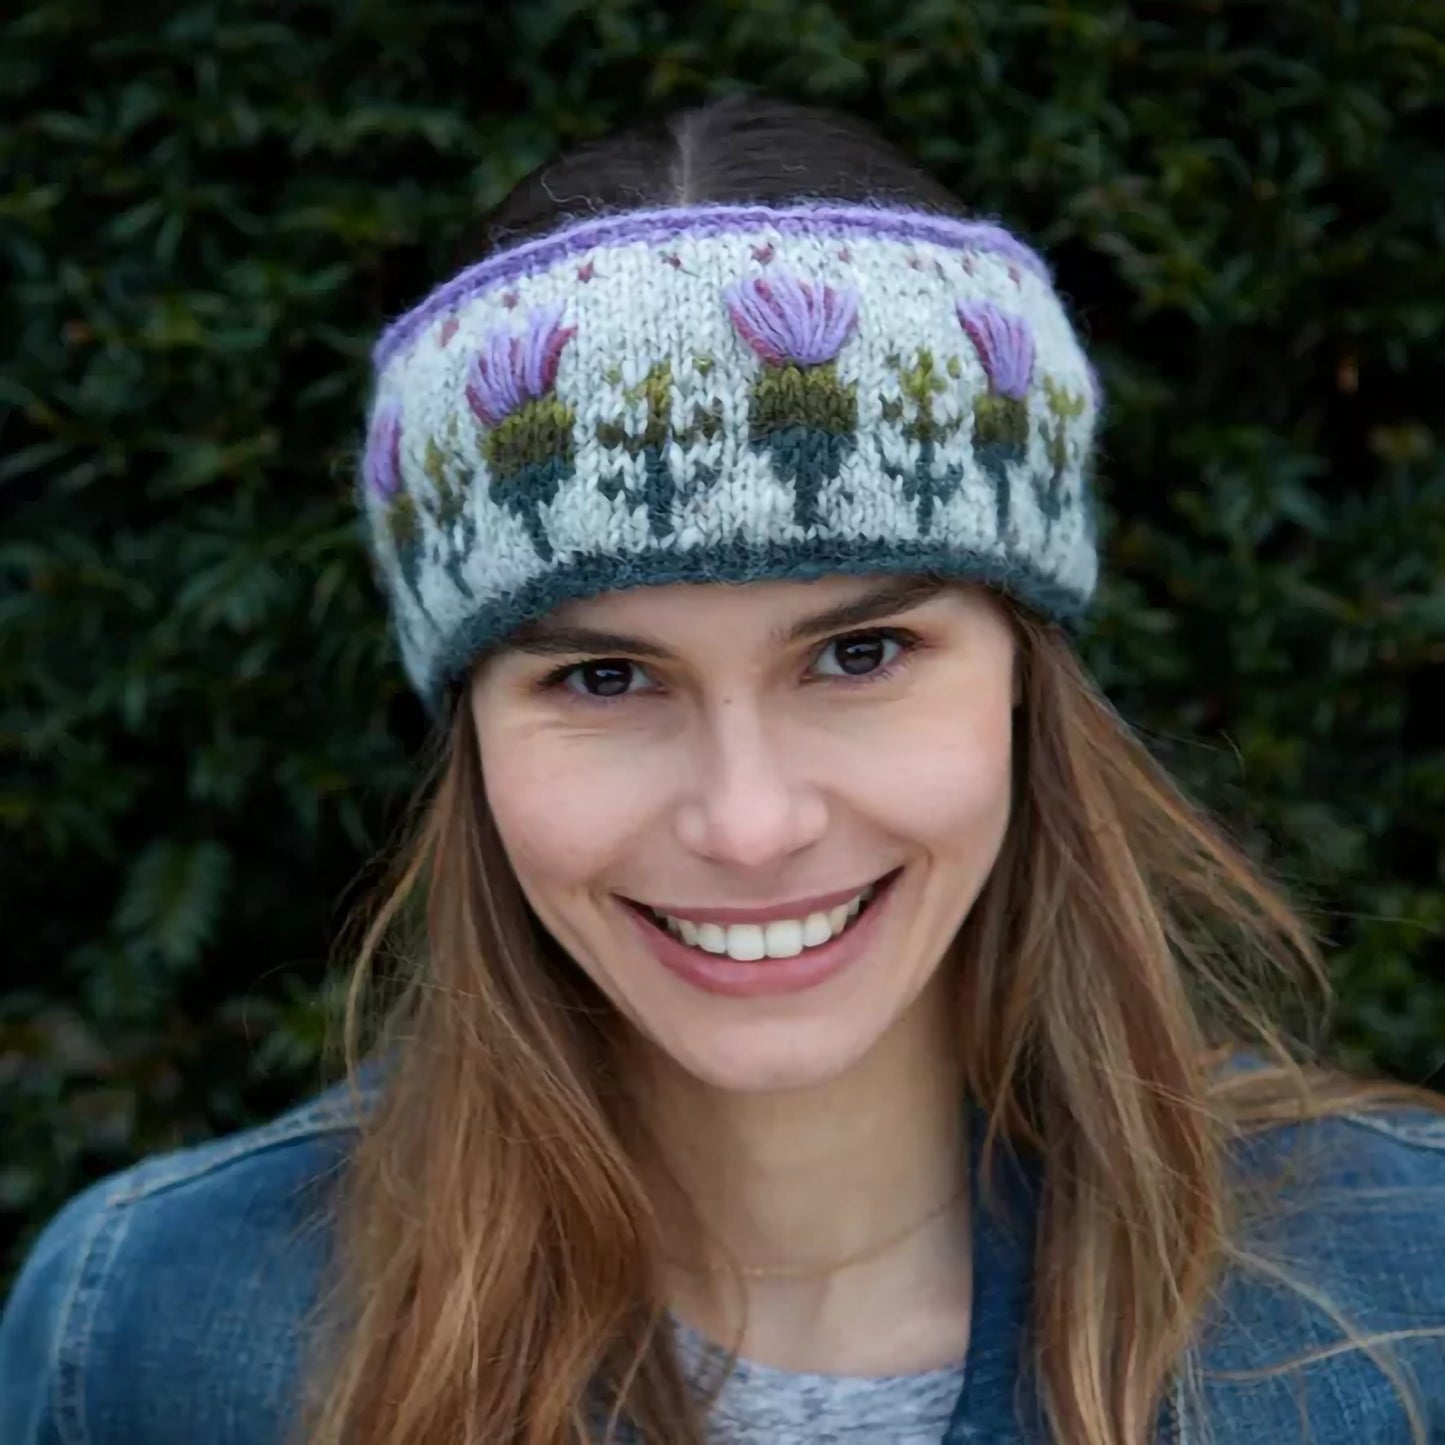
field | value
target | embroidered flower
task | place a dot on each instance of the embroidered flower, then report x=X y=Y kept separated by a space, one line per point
x=381 y=466
x=787 y=320
x=528 y=429
x=1005 y=346
x=512 y=369
x=381 y=475
x=799 y=409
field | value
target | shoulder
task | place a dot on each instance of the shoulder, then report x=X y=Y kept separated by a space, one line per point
x=1410 y=1138
x=1386 y=1164
x=1342 y=1233
x=164 y=1303
x=1360 y=1199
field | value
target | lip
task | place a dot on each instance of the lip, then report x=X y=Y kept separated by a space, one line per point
x=718 y=974
x=773 y=913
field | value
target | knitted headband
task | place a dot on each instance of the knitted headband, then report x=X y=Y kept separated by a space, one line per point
x=725 y=393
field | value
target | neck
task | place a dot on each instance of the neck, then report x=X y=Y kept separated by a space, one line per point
x=798 y=1179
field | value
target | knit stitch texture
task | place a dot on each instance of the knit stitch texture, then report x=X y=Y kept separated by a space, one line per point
x=725 y=394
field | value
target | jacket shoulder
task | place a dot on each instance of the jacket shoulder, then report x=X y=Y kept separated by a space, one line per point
x=1414 y=1137
x=1342 y=1230
x=166 y=1301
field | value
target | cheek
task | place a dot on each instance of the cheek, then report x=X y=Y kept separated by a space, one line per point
x=562 y=825
x=947 y=782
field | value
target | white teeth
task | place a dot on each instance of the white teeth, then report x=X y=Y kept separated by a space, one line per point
x=816 y=929
x=712 y=937
x=783 y=938
x=745 y=942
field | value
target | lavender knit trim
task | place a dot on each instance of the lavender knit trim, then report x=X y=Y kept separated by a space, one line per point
x=668 y=222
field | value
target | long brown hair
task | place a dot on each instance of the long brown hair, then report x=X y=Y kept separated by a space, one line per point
x=495 y=1252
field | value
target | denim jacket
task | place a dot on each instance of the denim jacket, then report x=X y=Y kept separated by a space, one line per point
x=162 y=1306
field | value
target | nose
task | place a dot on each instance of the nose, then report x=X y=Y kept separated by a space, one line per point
x=750 y=803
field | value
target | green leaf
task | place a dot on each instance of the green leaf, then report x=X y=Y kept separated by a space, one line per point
x=173 y=896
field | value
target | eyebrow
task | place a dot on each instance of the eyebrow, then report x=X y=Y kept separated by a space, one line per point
x=899 y=595
x=551 y=639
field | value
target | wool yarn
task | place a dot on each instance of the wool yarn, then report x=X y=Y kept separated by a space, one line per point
x=725 y=393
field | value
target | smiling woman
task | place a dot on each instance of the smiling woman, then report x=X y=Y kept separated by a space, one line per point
x=820 y=1020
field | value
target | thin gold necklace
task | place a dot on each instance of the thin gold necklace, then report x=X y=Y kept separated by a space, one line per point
x=817 y=1271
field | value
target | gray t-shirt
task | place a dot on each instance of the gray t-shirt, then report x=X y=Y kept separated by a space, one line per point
x=760 y=1405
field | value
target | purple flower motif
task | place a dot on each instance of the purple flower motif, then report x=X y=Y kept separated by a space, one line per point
x=1005 y=346
x=381 y=465
x=512 y=369
x=785 y=319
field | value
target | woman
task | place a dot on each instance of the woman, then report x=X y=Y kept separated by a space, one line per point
x=825 y=1021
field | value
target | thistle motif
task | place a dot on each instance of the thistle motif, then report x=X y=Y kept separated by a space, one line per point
x=381 y=465
x=659 y=486
x=1005 y=346
x=528 y=436
x=381 y=472
x=798 y=409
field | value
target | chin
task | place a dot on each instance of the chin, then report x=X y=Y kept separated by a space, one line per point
x=775 y=1055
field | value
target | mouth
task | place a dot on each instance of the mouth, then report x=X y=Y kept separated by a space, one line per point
x=778 y=938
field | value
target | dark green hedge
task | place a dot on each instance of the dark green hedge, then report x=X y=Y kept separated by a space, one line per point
x=210 y=211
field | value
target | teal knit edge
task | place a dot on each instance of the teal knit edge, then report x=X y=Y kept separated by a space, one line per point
x=734 y=562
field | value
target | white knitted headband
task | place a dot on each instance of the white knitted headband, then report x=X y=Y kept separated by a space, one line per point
x=726 y=393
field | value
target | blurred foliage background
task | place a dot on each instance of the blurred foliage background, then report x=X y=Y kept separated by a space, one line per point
x=210 y=208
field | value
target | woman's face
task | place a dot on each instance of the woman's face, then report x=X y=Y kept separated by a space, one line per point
x=755 y=815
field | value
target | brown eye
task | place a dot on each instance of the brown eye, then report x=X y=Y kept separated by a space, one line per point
x=611 y=677
x=858 y=655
